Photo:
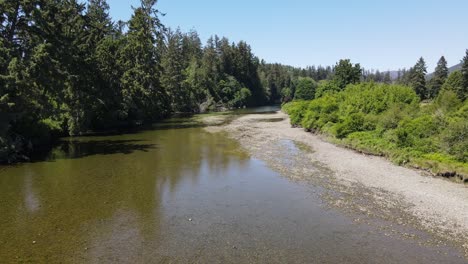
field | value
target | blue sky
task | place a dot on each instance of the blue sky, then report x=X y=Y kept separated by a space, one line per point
x=378 y=34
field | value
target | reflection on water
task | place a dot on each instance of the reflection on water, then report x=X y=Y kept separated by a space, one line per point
x=258 y=110
x=172 y=195
x=93 y=185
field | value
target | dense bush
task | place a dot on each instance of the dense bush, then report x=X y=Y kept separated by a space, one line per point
x=296 y=110
x=320 y=112
x=326 y=87
x=389 y=120
x=305 y=89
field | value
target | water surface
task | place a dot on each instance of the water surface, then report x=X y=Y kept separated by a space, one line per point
x=178 y=194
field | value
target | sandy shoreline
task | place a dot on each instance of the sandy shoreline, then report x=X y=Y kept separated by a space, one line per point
x=433 y=204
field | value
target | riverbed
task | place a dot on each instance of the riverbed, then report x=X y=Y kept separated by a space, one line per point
x=205 y=189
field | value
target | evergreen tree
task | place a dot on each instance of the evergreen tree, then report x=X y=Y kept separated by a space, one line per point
x=418 y=79
x=440 y=75
x=454 y=84
x=99 y=23
x=305 y=89
x=464 y=82
x=387 y=79
x=347 y=73
x=173 y=75
x=210 y=72
x=143 y=96
x=246 y=71
x=194 y=82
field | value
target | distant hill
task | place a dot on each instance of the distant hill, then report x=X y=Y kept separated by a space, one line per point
x=455 y=68
x=394 y=74
x=451 y=69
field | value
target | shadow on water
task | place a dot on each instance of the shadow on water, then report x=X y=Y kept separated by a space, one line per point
x=179 y=196
x=177 y=124
x=75 y=148
x=182 y=121
x=85 y=145
x=71 y=148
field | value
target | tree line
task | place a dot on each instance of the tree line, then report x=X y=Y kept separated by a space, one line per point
x=66 y=68
x=411 y=120
x=305 y=86
x=429 y=88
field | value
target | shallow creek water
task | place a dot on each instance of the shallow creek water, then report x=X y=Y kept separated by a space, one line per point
x=178 y=194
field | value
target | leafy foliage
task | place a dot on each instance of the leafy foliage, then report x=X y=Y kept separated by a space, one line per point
x=389 y=120
x=305 y=89
x=346 y=73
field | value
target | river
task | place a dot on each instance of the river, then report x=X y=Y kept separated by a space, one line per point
x=178 y=194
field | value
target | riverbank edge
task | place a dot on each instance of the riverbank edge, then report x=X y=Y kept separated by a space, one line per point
x=432 y=204
x=455 y=173
x=25 y=151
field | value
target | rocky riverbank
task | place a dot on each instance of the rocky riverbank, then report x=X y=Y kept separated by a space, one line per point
x=361 y=183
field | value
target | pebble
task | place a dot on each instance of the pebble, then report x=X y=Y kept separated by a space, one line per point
x=34 y=242
x=190 y=219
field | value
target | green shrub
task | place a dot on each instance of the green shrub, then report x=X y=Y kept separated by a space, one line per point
x=320 y=112
x=389 y=120
x=326 y=87
x=416 y=132
x=286 y=94
x=455 y=138
x=351 y=123
x=372 y=98
x=305 y=89
x=241 y=98
x=295 y=110
x=372 y=142
x=447 y=101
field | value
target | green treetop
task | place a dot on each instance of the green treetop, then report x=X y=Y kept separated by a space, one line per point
x=418 y=78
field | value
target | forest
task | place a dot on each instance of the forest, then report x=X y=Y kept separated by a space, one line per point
x=68 y=69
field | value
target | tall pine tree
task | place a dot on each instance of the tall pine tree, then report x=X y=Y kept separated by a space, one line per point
x=464 y=83
x=173 y=66
x=143 y=96
x=438 y=79
x=418 y=78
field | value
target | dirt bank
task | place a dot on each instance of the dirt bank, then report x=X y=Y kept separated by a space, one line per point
x=370 y=185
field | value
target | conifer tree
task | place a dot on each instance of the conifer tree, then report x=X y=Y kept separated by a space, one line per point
x=464 y=82
x=440 y=75
x=387 y=78
x=347 y=73
x=143 y=96
x=418 y=79
x=173 y=74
